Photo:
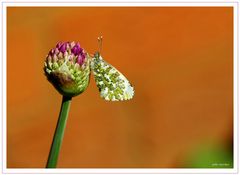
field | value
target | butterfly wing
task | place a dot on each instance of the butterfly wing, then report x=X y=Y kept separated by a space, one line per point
x=112 y=84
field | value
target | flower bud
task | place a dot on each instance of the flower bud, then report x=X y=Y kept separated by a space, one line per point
x=67 y=68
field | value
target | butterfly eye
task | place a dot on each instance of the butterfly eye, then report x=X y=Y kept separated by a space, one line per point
x=112 y=84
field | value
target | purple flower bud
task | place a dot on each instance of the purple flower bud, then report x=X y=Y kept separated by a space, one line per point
x=56 y=51
x=76 y=50
x=51 y=52
x=55 y=58
x=72 y=44
x=49 y=58
x=60 y=55
x=59 y=45
x=70 y=58
x=63 y=47
x=80 y=59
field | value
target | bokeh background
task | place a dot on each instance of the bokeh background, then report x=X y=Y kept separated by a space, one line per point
x=180 y=61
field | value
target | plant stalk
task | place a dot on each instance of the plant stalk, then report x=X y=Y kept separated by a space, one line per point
x=59 y=132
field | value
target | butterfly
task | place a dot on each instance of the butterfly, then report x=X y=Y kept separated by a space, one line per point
x=112 y=84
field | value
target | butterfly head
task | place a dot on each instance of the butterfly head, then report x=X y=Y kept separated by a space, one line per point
x=97 y=55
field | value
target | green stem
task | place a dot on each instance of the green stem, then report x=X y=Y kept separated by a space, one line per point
x=59 y=132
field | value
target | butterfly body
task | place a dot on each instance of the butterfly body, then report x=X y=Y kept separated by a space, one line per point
x=112 y=84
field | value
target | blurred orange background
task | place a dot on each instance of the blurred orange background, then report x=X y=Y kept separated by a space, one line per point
x=179 y=59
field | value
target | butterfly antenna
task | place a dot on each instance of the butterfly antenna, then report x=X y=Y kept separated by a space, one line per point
x=100 y=44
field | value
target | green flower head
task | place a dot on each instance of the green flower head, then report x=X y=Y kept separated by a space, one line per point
x=67 y=68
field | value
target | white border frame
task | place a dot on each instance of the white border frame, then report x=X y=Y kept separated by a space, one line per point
x=44 y=3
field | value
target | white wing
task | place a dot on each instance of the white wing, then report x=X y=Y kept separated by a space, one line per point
x=112 y=84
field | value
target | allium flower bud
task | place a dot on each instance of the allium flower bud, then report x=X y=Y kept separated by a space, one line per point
x=67 y=68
